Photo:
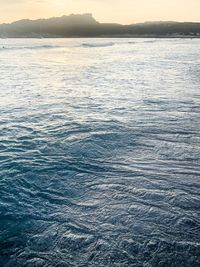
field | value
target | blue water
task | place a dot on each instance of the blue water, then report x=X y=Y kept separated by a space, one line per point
x=99 y=153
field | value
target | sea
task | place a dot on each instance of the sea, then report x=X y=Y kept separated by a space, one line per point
x=100 y=152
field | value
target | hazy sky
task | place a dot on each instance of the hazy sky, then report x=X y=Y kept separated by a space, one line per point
x=122 y=11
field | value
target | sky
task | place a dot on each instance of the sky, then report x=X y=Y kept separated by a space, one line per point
x=121 y=11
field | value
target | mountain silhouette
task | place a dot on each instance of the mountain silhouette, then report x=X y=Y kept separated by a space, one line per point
x=86 y=26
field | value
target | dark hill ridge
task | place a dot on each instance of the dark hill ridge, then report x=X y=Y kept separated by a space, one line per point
x=86 y=26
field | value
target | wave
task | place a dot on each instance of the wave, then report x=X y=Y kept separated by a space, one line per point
x=44 y=46
x=131 y=42
x=150 y=41
x=97 y=44
x=3 y=48
x=137 y=42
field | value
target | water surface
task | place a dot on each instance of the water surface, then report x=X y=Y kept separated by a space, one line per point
x=99 y=152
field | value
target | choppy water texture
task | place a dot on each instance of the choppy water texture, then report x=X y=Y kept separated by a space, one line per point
x=99 y=153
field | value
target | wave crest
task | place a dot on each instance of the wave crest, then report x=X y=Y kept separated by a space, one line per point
x=97 y=44
x=3 y=48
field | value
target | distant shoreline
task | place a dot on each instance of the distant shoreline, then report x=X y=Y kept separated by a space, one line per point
x=106 y=36
x=85 y=26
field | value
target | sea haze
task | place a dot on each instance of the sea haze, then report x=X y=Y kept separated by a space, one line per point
x=99 y=152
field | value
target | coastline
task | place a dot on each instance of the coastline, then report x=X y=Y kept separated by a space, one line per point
x=105 y=36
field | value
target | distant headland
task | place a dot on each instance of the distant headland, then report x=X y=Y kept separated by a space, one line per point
x=85 y=25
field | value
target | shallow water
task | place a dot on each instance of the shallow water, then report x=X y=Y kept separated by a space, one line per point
x=99 y=152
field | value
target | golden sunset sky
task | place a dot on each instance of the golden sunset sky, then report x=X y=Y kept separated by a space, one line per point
x=121 y=11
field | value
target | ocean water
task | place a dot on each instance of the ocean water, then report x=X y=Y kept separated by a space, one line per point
x=99 y=152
